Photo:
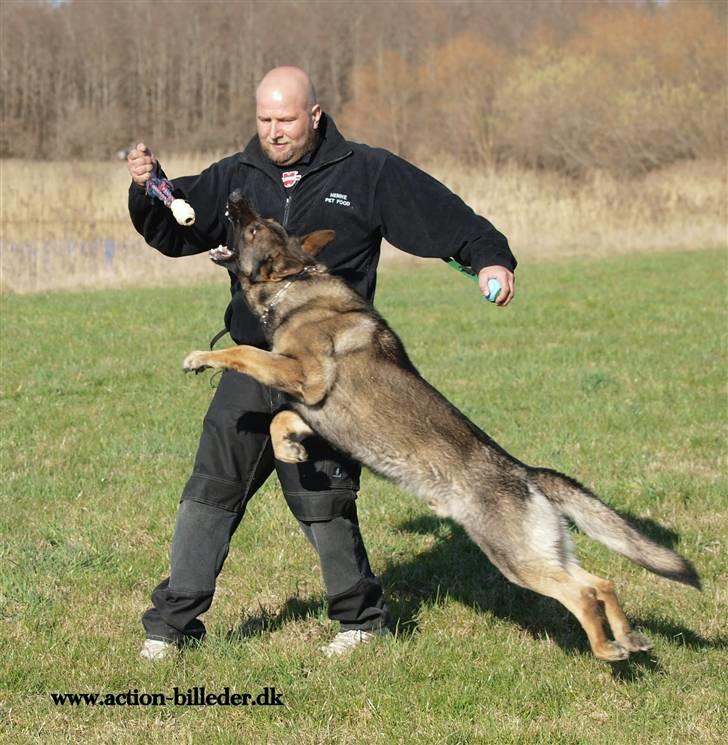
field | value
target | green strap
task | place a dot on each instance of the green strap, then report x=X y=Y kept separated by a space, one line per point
x=466 y=270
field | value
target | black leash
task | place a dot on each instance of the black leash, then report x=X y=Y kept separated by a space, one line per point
x=215 y=339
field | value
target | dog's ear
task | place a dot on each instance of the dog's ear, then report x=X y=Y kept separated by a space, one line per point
x=314 y=242
x=284 y=265
x=239 y=210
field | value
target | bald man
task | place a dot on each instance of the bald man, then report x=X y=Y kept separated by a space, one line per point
x=300 y=171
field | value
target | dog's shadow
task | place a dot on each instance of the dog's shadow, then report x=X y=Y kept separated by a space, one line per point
x=454 y=567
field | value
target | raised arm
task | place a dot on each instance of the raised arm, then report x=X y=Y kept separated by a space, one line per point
x=205 y=192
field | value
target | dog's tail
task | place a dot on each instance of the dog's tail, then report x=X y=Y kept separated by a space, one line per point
x=600 y=522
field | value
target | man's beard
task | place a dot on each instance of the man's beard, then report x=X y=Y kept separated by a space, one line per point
x=293 y=153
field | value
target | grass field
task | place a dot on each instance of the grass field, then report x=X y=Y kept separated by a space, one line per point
x=611 y=369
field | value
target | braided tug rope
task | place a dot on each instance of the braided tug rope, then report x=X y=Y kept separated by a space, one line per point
x=161 y=189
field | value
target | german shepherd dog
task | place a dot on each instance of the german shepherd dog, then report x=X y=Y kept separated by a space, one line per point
x=348 y=379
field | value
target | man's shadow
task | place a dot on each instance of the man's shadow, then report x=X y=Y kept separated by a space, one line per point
x=265 y=621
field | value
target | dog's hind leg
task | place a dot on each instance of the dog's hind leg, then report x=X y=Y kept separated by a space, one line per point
x=582 y=600
x=531 y=545
x=631 y=640
x=287 y=430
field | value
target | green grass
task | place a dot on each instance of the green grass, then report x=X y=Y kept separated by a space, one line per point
x=612 y=370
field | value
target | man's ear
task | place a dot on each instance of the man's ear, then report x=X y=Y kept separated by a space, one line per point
x=314 y=242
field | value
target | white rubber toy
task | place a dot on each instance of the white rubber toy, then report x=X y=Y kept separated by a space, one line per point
x=182 y=211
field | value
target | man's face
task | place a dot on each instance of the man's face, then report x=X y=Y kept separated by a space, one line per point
x=286 y=129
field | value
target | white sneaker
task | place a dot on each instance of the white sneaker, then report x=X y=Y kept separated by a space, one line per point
x=346 y=641
x=155 y=649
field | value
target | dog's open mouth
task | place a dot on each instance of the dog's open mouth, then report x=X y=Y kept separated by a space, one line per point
x=221 y=254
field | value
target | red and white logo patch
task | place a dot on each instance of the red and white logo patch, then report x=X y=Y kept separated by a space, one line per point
x=290 y=178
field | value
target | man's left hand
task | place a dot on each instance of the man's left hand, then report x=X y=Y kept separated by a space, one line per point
x=504 y=276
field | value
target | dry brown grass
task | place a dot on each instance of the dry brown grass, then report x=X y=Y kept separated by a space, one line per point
x=64 y=225
x=546 y=215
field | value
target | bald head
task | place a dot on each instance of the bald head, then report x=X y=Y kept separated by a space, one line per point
x=287 y=115
x=286 y=84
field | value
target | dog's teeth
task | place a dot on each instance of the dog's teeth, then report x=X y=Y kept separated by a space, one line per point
x=220 y=253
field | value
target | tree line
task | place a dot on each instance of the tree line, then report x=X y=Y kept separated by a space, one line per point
x=625 y=85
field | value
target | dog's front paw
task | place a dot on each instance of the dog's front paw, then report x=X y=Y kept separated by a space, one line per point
x=195 y=362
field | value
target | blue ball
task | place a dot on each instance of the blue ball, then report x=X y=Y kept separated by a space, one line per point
x=494 y=290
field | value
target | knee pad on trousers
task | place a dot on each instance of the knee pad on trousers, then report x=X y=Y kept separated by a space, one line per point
x=226 y=495
x=318 y=506
x=199 y=546
x=340 y=548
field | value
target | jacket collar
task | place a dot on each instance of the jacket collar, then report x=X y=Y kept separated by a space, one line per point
x=332 y=146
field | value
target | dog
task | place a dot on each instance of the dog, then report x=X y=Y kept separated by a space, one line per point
x=348 y=379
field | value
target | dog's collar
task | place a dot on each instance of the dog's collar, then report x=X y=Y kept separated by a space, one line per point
x=265 y=316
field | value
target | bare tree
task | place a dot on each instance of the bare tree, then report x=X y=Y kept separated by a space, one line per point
x=621 y=84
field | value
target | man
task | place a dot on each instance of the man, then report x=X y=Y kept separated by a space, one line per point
x=300 y=171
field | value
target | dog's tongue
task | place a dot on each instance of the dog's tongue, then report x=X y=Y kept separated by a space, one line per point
x=221 y=253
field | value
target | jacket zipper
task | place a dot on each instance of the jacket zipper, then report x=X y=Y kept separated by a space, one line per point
x=289 y=194
x=287 y=209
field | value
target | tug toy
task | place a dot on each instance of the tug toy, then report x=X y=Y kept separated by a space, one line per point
x=161 y=189
x=494 y=286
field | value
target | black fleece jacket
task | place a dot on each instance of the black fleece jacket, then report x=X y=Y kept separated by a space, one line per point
x=363 y=193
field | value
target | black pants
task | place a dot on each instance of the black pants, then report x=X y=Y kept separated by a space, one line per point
x=234 y=458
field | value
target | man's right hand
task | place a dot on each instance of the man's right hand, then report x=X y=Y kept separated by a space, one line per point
x=140 y=163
